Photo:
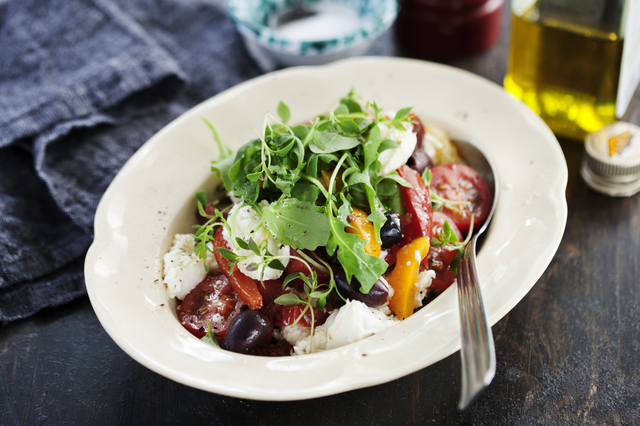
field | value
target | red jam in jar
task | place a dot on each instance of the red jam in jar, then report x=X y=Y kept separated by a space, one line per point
x=445 y=29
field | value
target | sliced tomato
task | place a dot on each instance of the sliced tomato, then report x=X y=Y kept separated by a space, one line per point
x=289 y=315
x=212 y=297
x=417 y=199
x=439 y=258
x=459 y=182
x=270 y=290
x=246 y=287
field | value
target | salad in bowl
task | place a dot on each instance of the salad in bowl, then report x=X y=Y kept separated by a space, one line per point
x=324 y=233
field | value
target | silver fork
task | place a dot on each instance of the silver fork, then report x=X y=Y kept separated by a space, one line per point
x=477 y=352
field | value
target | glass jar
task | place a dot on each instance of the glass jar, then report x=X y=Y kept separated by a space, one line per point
x=566 y=61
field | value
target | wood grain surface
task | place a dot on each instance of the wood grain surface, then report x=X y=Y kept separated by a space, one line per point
x=568 y=353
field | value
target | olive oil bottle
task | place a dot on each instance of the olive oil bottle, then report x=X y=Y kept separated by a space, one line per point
x=565 y=61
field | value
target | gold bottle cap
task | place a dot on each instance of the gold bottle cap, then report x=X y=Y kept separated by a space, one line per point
x=611 y=162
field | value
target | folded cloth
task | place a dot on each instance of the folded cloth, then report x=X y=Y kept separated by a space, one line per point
x=83 y=84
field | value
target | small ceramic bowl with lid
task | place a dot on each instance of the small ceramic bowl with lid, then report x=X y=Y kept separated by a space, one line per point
x=283 y=33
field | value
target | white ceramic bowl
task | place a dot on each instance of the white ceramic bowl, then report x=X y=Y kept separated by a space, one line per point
x=152 y=198
x=272 y=48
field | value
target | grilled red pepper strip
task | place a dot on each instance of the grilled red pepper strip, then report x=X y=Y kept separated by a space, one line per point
x=247 y=288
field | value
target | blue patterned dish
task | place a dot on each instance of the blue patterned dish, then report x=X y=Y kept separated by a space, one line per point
x=350 y=35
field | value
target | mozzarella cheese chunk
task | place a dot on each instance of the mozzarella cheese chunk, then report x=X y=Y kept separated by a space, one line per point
x=392 y=159
x=300 y=337
x=351 y=323
x=244 y=221
x=423 y=283
x=354 y=322
x=183 y=269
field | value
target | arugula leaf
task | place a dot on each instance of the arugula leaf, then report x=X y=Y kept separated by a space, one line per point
x=355 y=177
x=355 y=261
x=305 y=191
x=225 y=151
x=201 y=196
x=297 y=223
x=377 y=217
x=286 y=178
x=371 y=146
x=242 y=186
x=358 y=196
x=234 y=171
x=394 y=176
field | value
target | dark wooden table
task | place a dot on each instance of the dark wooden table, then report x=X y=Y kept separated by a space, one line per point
x=568 y=353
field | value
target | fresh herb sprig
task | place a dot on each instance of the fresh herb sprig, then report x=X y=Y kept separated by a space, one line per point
x=267 y=260
x=205 y=233
x=450 y=239
x=210 y=337
x=315 y=295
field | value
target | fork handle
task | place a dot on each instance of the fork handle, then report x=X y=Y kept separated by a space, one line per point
x=477 y=352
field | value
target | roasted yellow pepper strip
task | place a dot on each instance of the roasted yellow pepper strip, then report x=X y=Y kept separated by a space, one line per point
x=405 y=275
x=364 y=228
x=326 y=179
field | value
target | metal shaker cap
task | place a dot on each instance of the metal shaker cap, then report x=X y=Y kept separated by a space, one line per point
x=611 y=162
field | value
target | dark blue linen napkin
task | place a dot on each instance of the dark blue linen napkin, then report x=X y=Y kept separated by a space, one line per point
x=84 y=83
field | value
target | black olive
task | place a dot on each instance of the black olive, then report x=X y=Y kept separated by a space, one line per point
x=248 y=330
x=333 y=259
x=419 y=160
x=377 y=296
x=390 y=233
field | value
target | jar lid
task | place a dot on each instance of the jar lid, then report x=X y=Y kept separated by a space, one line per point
x=611 y=162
